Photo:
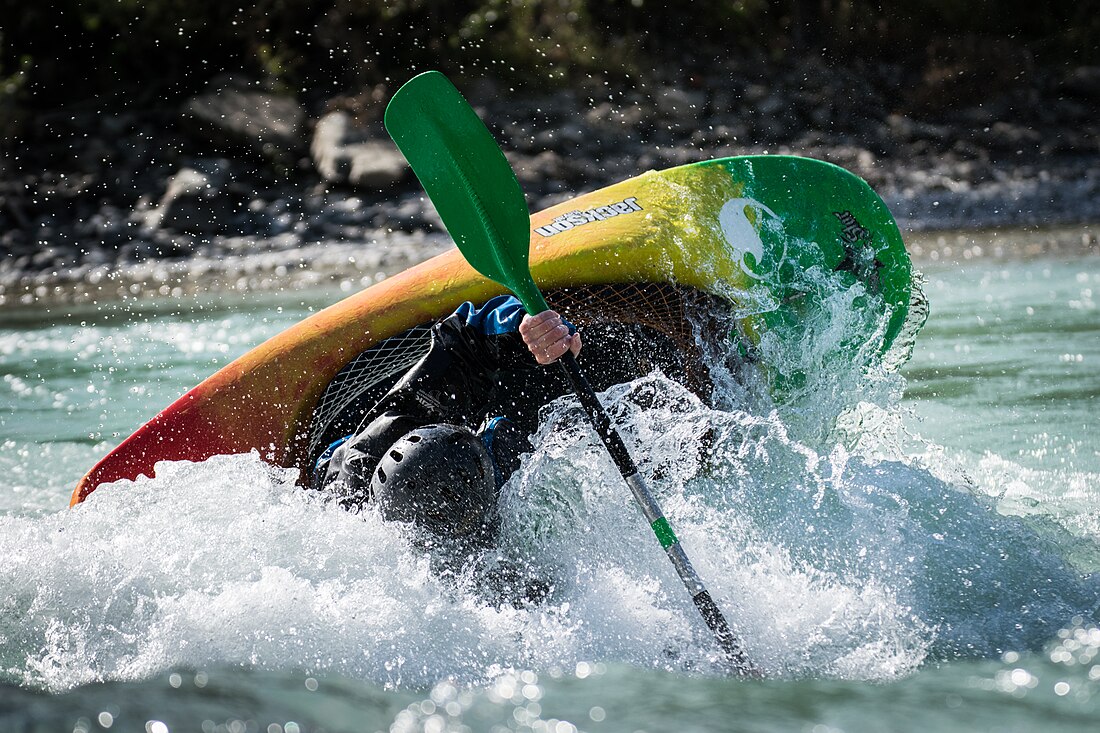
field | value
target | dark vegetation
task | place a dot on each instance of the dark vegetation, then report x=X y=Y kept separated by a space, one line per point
x=54 y=52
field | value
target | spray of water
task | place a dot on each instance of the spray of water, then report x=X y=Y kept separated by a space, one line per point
x=832 y=553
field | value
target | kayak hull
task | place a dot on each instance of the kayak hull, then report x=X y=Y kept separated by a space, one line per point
x=725 y=227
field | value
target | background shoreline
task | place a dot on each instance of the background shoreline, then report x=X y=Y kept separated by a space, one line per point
x=241 y=169
x=345 y=268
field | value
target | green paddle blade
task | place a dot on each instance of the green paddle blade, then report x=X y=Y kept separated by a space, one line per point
x=468 y=179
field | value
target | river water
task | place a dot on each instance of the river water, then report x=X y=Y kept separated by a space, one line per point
x=898 y=552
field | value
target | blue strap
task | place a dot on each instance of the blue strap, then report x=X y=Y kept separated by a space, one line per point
x=499 y=315
x=487 y=436
x=490 y=432
x=324 y=457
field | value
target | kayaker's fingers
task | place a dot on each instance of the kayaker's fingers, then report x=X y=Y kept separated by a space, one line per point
x=534 y=327
x=557 y=349
x=547 y=337
x=547 y=351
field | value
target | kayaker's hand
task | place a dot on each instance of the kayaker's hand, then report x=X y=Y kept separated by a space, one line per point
x=547 y=336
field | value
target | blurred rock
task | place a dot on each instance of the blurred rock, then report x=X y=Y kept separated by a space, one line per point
x=680 y=104
x=532 y=170
x=411 y=214
x=198 y=201
x=344 y=153
x=967 y=69
x=1084 y=81
x=236 y=116
x=161 y=246
x=1009 y=136
x=905 y=129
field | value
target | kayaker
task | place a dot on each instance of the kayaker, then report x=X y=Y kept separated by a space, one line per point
x=428 y=453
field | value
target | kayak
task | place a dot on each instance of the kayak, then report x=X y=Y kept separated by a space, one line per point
x=740 y=230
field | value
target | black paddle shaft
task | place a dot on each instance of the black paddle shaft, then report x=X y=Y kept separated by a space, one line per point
x=617 y=449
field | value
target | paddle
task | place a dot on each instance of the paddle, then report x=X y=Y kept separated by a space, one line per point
x=479 y=200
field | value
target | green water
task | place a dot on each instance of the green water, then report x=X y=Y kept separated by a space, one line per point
x=932 y=576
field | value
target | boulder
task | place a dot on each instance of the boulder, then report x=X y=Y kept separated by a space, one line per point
x=197 y=201
x=677 y=103
x=235 y=115
x=342 y=152
x=1083 y=82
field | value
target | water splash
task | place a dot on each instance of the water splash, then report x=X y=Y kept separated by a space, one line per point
x=833 y=551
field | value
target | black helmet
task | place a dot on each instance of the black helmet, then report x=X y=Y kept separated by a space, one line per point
x=439 y=477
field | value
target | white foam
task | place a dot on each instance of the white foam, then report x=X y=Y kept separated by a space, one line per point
x=228 y=562
x=832 y=553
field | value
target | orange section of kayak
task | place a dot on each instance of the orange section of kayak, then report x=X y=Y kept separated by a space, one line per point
x=262 y=400
x=661 y=226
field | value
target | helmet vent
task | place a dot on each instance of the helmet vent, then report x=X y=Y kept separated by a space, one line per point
x=396 y=455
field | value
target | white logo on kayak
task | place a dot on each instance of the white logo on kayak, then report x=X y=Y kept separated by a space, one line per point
x=742 y=232
x=578 y=218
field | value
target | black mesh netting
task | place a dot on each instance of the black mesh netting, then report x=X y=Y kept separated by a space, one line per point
x=628 y=329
